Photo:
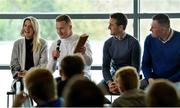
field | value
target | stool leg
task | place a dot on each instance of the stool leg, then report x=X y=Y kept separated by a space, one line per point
x=7 y=101
x=111 y=98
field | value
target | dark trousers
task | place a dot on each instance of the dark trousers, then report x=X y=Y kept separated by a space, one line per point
x=143 y=84
x=104 y=87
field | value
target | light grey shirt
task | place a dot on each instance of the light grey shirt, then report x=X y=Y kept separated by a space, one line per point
x=19 y=55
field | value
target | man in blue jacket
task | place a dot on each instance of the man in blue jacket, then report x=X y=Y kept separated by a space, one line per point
x=161 y=58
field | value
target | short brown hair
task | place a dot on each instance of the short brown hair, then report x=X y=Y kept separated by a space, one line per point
x=40 y=83
x=162 y=93
x=65 y=18
x=128 y=76
x=72 y=65
x=121 y=19
x=81 y=92
x=162 y=19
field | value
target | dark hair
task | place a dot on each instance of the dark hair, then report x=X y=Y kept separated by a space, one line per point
x=65 y=18
x=162 y=19
x=120 y=18
x=41 y=84
x=162 y=93
x=81 y=92
x=71 y=65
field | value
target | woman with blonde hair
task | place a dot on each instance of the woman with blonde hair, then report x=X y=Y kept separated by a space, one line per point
x=29 y=51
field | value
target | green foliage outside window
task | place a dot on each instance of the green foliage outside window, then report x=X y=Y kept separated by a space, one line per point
x=96 y=28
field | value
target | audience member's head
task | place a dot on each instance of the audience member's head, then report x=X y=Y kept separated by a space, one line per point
x=71 y=65
x=127 y=78
x=41 y=85
x=81 y=92
x=162 y=93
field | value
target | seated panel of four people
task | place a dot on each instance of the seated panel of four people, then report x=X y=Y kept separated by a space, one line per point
x=161 y=54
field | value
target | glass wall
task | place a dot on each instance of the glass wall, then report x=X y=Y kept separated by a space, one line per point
x=159 y=6
x=96 y=28
x=64 y=6
x=96 y=25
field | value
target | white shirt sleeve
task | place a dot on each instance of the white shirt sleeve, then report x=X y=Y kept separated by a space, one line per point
x=88 y=55
x=52 y=64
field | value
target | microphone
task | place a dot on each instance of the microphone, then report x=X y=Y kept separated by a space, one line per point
x=58 y=48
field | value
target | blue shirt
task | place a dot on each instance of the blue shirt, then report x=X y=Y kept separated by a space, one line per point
x=54 y=103
x=162 y=60
x=118 y=53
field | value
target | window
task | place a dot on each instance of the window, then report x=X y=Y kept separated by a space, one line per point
x=159 y=6
x=64 y=6
x=96 y=28
x=89 y=16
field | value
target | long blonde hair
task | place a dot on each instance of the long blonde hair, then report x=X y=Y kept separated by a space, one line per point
x=36 y=30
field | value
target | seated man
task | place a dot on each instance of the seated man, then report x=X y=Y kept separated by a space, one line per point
x=66 y=45
x=70 y=65
x=119 y=50
x=127 y=81
x=41 y=87
x=161 y=58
